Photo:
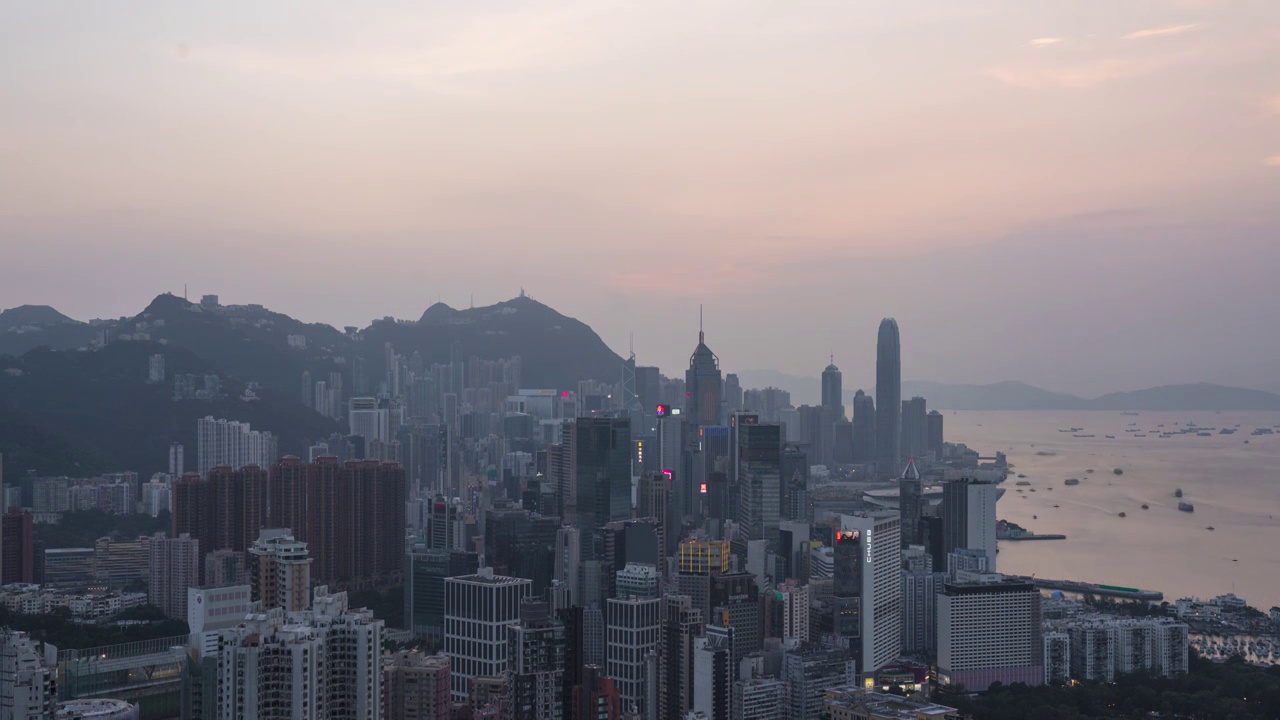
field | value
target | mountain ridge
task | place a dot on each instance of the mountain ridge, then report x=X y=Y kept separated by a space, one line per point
x=1017 y=395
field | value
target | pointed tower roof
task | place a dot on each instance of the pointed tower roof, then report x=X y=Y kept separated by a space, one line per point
x=911 y=472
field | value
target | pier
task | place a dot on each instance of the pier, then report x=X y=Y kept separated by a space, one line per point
x=1085 y=588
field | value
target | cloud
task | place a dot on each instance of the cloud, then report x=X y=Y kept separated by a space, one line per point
x=1077 y=76
x=1041 y=42
x=1273 y=161
x=1161 y=31
x=1272 y=104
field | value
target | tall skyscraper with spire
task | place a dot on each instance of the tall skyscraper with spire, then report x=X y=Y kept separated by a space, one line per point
x=703 y=384
x=888 y=398
x=833 y=390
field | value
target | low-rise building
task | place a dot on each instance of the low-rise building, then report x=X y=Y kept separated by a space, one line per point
x=852 y=703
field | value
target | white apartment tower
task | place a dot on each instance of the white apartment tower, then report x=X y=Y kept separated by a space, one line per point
x=321 y=663
x=232 y=443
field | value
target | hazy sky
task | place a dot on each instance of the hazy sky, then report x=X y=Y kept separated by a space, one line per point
x=1082 y=194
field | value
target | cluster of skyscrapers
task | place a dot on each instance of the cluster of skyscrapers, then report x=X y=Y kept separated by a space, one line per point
x=651 y=548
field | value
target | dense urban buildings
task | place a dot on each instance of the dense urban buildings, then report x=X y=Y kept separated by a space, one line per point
x=635 y=547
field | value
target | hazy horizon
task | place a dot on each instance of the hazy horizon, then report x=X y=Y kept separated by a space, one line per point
x=1083 y=201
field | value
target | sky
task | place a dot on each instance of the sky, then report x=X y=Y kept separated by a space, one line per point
x=1080 y=194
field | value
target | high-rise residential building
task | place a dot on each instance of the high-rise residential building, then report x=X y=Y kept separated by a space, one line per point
x=17 y=547
x=868 y=589
x=933 y=431
x=911 y=503
x=794 y=599
x=416 y=686
x=224 y=567
x=759 y=470
x=28 y=677
x=279 y=570
x=351 y=516
x=810 y=671
x=1102 y=647
x=989 y=632
x=223 y=510
x=598 y=488
x=322 y=663
x=682 y=624
x=233 y=444
x=477 y=612
x=1057 y=657
x=969 y=516
x=536 y=648
x=633 y=626
x=155 y=498
x=864 y=428
x=888 y=398
x=714 y=673
x=915 y=428
x=833 y=390
x=920 y=611
x=174 y=565
x=177 y=461
x=425 y=572
x=704 y=386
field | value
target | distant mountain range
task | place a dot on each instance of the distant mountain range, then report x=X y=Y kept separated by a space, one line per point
x=1021 y=396
x=70 y=405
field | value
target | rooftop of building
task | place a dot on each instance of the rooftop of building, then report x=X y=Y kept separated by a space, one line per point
x=885 y=706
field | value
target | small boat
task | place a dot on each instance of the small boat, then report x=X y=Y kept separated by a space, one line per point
x=1035 y=517
x=1118 y=471
x=1209 y=528
x=1177 y=493
x=1186 y=507
x=1071 y=481
x=1057 y=506
x=1123 y=515
x=1146 y=506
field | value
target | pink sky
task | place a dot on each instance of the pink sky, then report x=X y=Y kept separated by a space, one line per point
x=802 y=168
